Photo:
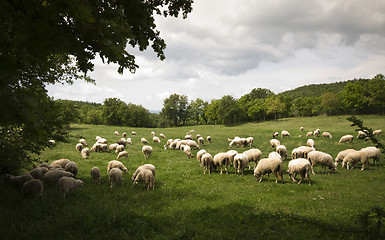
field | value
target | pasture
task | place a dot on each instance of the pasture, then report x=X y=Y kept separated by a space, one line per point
x=186 y=204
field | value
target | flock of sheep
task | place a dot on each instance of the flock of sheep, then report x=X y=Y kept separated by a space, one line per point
x=63 y=172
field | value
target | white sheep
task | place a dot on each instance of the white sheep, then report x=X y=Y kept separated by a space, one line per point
x=162 y=135
x=60 y=163
x=275 y=134
x=97 y=138
x=193 y=144
x=147 y=177
x=116 y=133
x=188 y=137
x=377 y=132
x=153 y=133
x=310 y=142
x=316 y=132
x=200 y=153
x=18 y=181
x=144 y=141
x=253 y=155
x=207 y=162
x=38 y=172
x=309 y=134
x=97 y=147
x=96 y=175
x=301 y=129
x=51 y=177
x=133 y=133
x=104 y=147
x=306 y=150
x=297 y=153
x=79 y=147
x=115 y=177
x=122 y=154
x=147 y=150
x=113 y=146
x=222 y=159
x=285 y=133
x=373 y=153
x=299 y=166
x=236 y=141
x=156 y=139
x=208 y=138
x=72 y=167
x=341 y=155
x=116 y=164
x=240 y=162
x=187 y=151
x=318 y=157
x=326 y=135
x=33 y=187
x=124 y=134
x=231 y=153
x=129 y=141
x=143 y=167
x=119 y=148
x=282 y=150
x=275 y=155
x=198 y=135
x=361 y=134
x=85 y=153
x=267 y=166
x=274 y=143
x=250 y=141
x=201 y=140
x=66 y=184
x=346 y=138
x=102 y=141
x=122 y=141
x=83 y=142
x=355 y=157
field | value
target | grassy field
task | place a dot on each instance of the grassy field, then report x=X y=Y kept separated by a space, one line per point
x=186 y=204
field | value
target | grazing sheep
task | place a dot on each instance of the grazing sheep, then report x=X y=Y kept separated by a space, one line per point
x=198 y=136
x=144 y=141
x=147 y=150
x=354 y=157
x=79 y=147
x=377 y=132
x=285 y=133
x=102 y=141
x=221 y=159
x=326 y=135
x=301 y=129
x=85 y=152
x=116 y=164
x=253 y=155
x=188 y=137
x=346 y=138
x=124 y=134
x=267 y=166
x=187 y=151
x=341 y=155
x=97 y=138
x=361 y=134
x=104 y=147
x=18 y=181
x=162 y=135
x=309 y=134
x=153 y=133
x=96 y=175
x=236 y=141
x=147 y=177
x=51 y=177
x=310 y=142
x=115 y=177
x=122 y=141
x=208 y=138
x=373 y=153
x=201 y=140
x=122 y=154
x=250 y=141
x=113 y=146
x=33 y=187
x=275 y=155
x=141 y=168
x=38 y=172
x=240 y=162
x=83 y=142
x=116 y=133
x=119 y=148
x=207 y=162
x=281 y=150
x=297 y=153
x=129 y=141
x=193 y=144
x=299 y=166
x=72 y=167
x=133 y=133
x=318 y=157
x=200 y=153
x=316 y=132
x=306 y=150
x=60 y=163
x=65 y=184
x=274 y=143
x=232 y=153
x=275 y=134
x=97 y=147
x=156 y=139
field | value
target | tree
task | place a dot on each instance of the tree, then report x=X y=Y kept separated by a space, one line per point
x=258 y=111
x=197 y=110
x=175 y=109
x=113 y=111
x=376 y=87
x=229 y=110
x=211 y=112
x=274 y=105
x=306 y=106
x=331 y=104
x=355 y=97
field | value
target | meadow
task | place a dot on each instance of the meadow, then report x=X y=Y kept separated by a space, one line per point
x=186 y=204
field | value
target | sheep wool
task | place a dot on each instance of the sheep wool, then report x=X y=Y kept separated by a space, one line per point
x=65 y=184
x=60 y=163
x=144 y=141
x=253 y=155
x=147 y=177
x=282 y=151
x=326 y=135
x=240 y=162
x=79 y=147
x=33 y=187
x=355 y=157
x=95 y=175
x=18 y=181
x=85 y=153
x=115 y=177
x=377 y=132
x=267 y=166
x=222 y=159
x=200 y=154
x=341 y=155
x=38 y=172
x=116 y=164
x=310 y=142
x=373 y=153
x=207 y=162
x=51 y=177
x=299 y=166
x=122 y=154
x=231 y=153
x=285 y=133
x=274 y=143
x=318 y=157
x=147 y=150
x=143 y=167
x=72 y=167
x=346 y=138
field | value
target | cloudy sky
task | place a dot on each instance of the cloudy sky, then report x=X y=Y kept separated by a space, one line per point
x=228 y=47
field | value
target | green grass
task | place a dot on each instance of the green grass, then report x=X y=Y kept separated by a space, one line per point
x=186 y=204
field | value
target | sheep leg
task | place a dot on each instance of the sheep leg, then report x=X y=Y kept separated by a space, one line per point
x=276 y=177
x=312 y=169
x=260 y=180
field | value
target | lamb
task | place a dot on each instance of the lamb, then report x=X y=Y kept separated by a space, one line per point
x=297 y=153
x=144 y=141
x=33 y=187
x=373 y=153
x=60 y=163
x=326 y=135
x=95 y=175
x=51 y=177
x=119 y=148
x=267 y=166
x=208 y=138
x=221 y=159
x=79 y=147
x=38 y=172
x=253 y=155
x=147 y=177
x=285 y=133
x=281 y=150
x=72 y=167
x=147 y=150
x=156 y=139
x=346 y=138
x=18 y=181
x=122 y=154
x=207 y=162
x=309 y=134
x=377 y=132
x=187 y=151
x=299 y=166
x=240 y=162
x=341 y=155
x=354 y=157
x=65 y=184
x=200 y=153
x=116 y=164
x=85 y=153
x=141 y=168
x=274 y=143
x=115 y=177
x=318 y=157
x=310 y=142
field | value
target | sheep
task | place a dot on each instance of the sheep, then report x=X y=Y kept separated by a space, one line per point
x=377 y=132
x=253 y=155
x=66 y=184
x=147 y=150
x=153 y=133
x=102 y=141
x=306 y=150
x=60 y=163
x=122 y=154
x=38 y=172
x=207 y=162
x=97 y=147
x=299 y=166
x=162 y=135
x=83 y=142
x=33 y=187
x=267 y=166
x=275 y=134
x=341 y=155
x=309 y=134
x=115 y=177
x=232 y=153
x=373 y=153
x=274 y=143
x=187 y=151
x=124 y=134
x=147 y=177
x=79 y=147
x=97 y=138
x=104 y=147
x=346 y=138
x=156 y=139
x=53 y=176
x=133 y=133
x=116 y=164
x=200 y=153
x=72 y=167
x=144 y=141
x=141 y=168
x=354 y=157
x=316 y=132
x=208 y=138
x=198 y=136
x=201 y=140
x=361 y=134
x=275 y=155
x=301 y=129
x=18 y=181
x=221 y=159
x=95 y=175
x=326 y=135
x=122 y=141
x=240 y=162
x=285 y=133
x=310 y=142
x=119 y=149
x=85 y=152
x=250 y=141
x=113 y=146
x=129 y=141
x=318 y=157
x=116 y=133
x=297 y=153
x=281 y=150
x=193 y=144
x=188 y=137
x=236 y=141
